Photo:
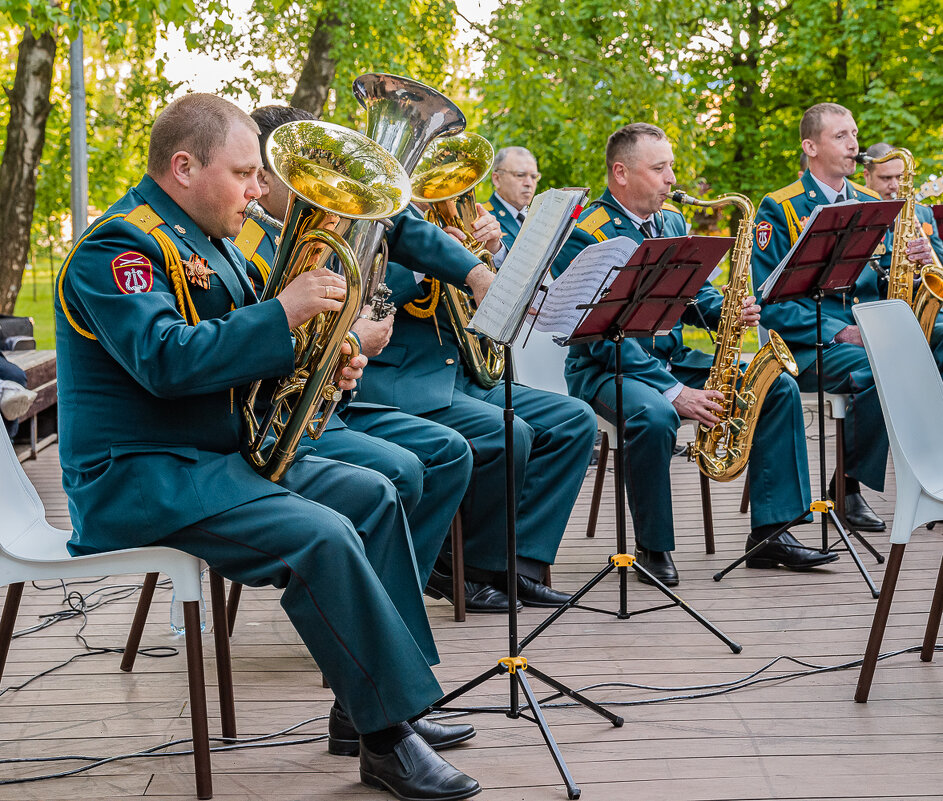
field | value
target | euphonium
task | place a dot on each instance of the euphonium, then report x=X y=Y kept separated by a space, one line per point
x=722 y=450
x=403 y=116
x=445 y=178
x=336 y=177
x=929 y=296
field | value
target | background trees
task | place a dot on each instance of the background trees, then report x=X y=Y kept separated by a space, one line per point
x=728 y=79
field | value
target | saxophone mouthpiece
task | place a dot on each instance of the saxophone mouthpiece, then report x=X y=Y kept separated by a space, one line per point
x=863 y=158
x=679 y=197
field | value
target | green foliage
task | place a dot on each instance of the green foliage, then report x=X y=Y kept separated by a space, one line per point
x=406 y=37
x=728 y=81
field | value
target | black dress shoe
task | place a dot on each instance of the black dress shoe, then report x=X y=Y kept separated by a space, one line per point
x=531 y=592
x=343 y=739
x=787 y=551
x=860 y=516
x=479 y=597
x=659 y=564
x=414 y=772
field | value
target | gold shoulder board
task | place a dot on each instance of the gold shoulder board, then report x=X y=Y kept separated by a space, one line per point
x=249 y=238
x=787 y=192
x=144 y=217
x=594 y=221
x=488 y=206
x=864 y=190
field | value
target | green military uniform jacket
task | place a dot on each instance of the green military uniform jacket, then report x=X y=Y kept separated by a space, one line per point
x=510 y=227
x=779 y=220
x=647 y=359
x=417 y=370
x=150 y=427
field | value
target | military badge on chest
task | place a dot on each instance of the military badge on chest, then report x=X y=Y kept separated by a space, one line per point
x=198 y=272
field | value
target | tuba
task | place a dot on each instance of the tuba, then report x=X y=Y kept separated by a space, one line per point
x=446 y=178
x=929 y=295
x=722 y=450
x=403 y=116
x=338 y=179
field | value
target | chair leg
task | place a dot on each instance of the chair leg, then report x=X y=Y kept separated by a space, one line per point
x=227 y=706
x=840 y=469
x=458 y=568
x=137 y=624
x=707 y=513
x=933 y=622
x=879 y=623
x=232 y=606
x=10 y=607
x=197 y=682
x=745 y=498
x=597 y=485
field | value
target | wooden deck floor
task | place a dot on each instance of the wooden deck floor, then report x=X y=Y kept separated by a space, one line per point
x=802 y=738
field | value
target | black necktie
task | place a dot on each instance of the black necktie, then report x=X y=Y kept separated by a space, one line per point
x=647 y=230
x=520 y=217
x=840 y=198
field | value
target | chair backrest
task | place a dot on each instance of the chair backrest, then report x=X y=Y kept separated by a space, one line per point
x=20 y=506
x=909 y=387
x=539 y=363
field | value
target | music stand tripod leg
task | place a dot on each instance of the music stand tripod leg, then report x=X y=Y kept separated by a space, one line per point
x=843 y=535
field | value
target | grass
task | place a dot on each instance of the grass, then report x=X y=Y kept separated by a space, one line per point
x=36 y=300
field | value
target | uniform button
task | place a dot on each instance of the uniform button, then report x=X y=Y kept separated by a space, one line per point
x=450 y=361
x=854 y=300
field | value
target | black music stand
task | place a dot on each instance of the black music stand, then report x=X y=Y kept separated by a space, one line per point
x=646 y=298
x=826 y=260
x=515 y=665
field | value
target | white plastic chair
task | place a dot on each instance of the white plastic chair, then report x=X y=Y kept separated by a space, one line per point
x=911 y=394
x=32 y=550
x=540 y=364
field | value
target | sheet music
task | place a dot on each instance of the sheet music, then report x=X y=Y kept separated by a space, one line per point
x=773 y=277
x=580 y=283
x=548 y=221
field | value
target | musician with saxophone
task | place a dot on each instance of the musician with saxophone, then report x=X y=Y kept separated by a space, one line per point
x=885 y=178
x=664 y=379
x=829 y=138
x=423 y=372
x=430 y=464
x=158 y=331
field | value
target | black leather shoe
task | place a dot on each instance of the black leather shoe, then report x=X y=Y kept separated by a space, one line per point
x=343 y=740
x=659 y=564
x=414 y=772
x=787 y=551
x=860 y=516
x=531 y=592
x=479 y=597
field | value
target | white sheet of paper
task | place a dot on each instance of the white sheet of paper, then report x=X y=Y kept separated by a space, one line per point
x=580 y=283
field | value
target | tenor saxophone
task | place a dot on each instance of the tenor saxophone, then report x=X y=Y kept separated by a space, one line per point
x=928 y=297
x=722 y=450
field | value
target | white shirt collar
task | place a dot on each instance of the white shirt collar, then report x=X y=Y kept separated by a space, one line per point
x=827 y=191
x=513 y=211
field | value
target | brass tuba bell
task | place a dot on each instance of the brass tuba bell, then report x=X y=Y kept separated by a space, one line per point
x=445 y=179
x=337 y=178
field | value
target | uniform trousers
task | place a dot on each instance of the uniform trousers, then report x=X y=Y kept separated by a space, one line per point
x=429 y=464
x=553 y=443
x=351 y=591
x=778 y=466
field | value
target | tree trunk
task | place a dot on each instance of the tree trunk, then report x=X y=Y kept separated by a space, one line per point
x=316 y=77
x=26 y=133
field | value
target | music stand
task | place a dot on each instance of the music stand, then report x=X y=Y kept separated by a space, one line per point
x=826 y=260
x=515 y=665
x=646 y=298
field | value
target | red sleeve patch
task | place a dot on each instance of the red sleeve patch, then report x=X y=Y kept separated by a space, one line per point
x=133 y=272
x=764 y=232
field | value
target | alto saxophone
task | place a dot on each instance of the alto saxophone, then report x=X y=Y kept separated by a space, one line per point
x=722 y=450
x=929 y=295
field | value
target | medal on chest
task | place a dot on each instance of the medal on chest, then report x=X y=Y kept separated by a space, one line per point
x=198 y=272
